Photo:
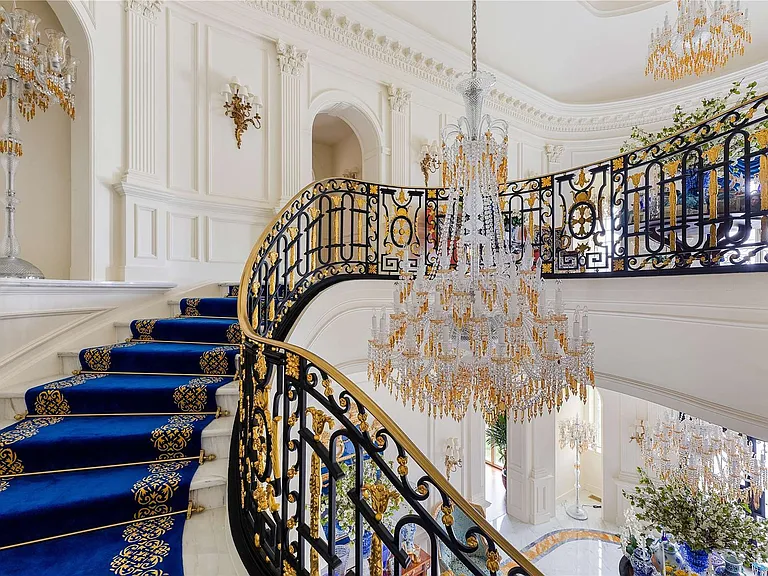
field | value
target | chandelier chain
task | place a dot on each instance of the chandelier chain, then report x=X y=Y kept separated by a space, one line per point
x=474 y=35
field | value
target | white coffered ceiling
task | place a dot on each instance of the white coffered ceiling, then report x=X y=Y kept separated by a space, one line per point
x=576 y=52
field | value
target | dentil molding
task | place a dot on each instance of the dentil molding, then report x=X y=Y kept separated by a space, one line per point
x=534 y=109
x=149 y=9
x=398 y=98
x=290 y=58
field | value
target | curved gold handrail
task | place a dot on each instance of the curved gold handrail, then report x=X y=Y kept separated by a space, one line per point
x=405 y=442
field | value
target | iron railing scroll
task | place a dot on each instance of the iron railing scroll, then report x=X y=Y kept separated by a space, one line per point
x=696 y=202
x=317 y=461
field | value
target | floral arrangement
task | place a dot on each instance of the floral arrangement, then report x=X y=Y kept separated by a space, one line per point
x=704 y=520
x=709 y=108
x=345 y=510
x=636 y=533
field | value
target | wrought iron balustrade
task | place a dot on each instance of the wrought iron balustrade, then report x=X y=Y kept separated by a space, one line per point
x=696 y=202
x=313 y=456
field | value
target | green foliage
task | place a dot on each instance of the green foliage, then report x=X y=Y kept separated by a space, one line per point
x=345 y=510
x=710 y=107
x=704 y=520
x=496 y=436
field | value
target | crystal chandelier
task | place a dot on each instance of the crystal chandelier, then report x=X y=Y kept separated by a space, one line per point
x=702 y=39
x=705 y=456
x=31 y=75
x=477 y=331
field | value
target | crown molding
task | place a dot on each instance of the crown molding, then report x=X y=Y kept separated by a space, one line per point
x=520 y=103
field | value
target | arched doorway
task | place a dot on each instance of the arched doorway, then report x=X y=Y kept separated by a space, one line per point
x=336 y=150
x=363 y=122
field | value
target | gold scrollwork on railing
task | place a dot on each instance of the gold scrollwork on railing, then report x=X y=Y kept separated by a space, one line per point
x=319 y=422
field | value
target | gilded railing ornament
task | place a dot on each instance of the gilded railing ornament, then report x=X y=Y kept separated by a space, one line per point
x=379 y=496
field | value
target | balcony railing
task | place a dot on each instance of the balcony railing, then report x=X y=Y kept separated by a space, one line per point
x=696 y=202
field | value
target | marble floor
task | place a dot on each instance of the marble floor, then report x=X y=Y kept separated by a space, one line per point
x=563 y=546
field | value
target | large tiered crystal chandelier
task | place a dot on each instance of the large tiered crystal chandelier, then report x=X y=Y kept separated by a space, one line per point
x=31 y=75
x=705 y=456
x=702 y=39
x=477 y=331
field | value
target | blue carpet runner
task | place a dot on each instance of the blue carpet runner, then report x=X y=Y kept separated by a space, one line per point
x=95 y=480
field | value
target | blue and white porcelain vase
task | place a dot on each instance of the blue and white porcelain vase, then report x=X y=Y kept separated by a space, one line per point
x=641 y=562
x=407 y=537
x=732 y=565
x=672 y=555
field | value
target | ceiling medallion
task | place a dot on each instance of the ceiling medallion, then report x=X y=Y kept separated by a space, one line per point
x=477 y=330
x=702 y=39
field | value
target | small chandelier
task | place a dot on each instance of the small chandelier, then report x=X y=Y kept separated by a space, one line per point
x=702 y=39
x=705 y=456
x=477 y=330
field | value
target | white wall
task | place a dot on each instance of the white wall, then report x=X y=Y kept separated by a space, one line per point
x=347 y=156
x=322 y=161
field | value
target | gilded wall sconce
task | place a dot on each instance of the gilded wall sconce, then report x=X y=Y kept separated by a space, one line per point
x=430 y=160
x=453 y=456
x=239 y=102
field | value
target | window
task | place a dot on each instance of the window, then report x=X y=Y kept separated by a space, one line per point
x=595 y=416
x=761 y=448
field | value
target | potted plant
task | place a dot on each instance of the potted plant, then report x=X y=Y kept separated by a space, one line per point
x=702 y=521
x=496 y=437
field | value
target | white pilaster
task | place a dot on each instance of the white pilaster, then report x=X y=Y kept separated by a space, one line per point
x=291 y=62
x=531 y=469
x=142 y=89
x=399 y=107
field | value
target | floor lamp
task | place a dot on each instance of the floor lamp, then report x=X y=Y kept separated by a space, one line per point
x=579 y=436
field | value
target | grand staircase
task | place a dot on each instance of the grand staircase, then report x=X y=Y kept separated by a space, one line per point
x=103 y=469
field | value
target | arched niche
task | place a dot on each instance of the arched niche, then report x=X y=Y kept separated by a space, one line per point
x=78 y=25
x=363 y=122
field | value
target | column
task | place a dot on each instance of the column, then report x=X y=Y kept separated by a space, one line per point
x=291 y=62
x=531 y=469
x=399 y=105
x=142 y=89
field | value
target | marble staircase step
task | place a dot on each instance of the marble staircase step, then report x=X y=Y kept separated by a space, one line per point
x=209 y=484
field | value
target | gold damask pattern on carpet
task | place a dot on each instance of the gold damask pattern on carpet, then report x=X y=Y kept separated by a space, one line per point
x=100 y=359
x=153 y=493
x=171 y=439
x=145 y=328
x=145 y=549
x=72 y=381
x=191 y=307
x=52 y=402
x=215 y=361
x=234 y=335
x=10 y=463
x=193 y=396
